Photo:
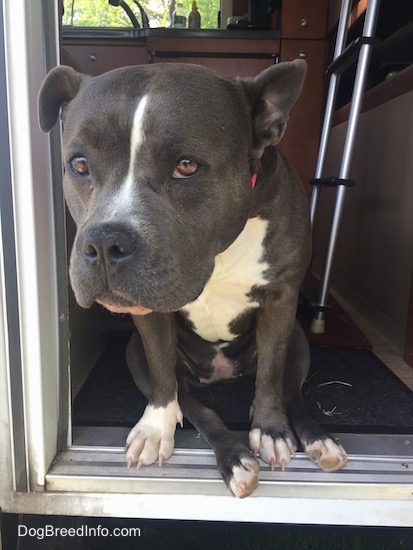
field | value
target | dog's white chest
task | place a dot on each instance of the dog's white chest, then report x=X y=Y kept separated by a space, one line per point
x=226 y=295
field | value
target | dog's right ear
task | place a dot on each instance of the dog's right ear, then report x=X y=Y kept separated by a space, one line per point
x=60 y=86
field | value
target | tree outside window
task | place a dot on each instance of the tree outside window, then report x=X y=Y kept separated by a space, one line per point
x=99 y=13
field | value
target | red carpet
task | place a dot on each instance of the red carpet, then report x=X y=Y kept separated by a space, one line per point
x=340 y=329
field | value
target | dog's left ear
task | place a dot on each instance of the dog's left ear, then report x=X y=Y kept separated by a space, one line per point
x=272 y=94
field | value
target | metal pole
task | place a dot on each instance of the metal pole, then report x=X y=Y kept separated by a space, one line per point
x=330 y=102
x=318 y=323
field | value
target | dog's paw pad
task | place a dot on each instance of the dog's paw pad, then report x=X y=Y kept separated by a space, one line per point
x=152 y=438
x=244 y=478
x=273 y=451
x=328 y=454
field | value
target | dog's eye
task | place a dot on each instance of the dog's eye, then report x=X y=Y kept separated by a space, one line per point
x=185 y=168
x=79 y=166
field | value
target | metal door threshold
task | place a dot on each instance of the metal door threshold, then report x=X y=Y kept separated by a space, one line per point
x=379 y=467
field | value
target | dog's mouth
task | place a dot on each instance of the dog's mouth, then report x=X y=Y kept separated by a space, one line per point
x=131 y=310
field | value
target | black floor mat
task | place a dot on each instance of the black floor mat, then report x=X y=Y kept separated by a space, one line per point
x=347 y=390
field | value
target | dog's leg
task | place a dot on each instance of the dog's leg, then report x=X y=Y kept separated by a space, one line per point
x=271 y=435
x=153 y=436
x=317 y=443
x=236 y=464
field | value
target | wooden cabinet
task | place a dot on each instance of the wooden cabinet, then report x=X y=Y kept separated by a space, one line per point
x=232 y=57
x=303 y=31
x=238 y=66
x=301 y=139
x=304 y=19
x=95 y=57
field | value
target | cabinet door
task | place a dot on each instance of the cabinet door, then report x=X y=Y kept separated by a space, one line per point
x=304 y=19
x=94 y=59
x=231 y=57
x=237 y=66
x=301 y=139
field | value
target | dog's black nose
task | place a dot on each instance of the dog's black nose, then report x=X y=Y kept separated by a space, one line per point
x=106 y=244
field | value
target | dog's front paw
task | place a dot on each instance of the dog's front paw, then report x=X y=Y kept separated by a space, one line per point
x=153 y=436
x=238 y=467
x=273 y=448
x=327 y=453
x=244 y=477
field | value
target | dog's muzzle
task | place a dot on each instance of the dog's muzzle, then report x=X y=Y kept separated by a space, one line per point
x=102 y=267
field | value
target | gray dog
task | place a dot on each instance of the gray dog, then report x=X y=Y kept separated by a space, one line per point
x=190 y=220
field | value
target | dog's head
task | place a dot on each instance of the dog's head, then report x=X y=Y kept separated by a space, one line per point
x=157 y=173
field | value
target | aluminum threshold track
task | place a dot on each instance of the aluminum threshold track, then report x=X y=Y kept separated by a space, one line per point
x=379 y=467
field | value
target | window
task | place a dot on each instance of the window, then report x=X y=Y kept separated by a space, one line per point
x=100 y=13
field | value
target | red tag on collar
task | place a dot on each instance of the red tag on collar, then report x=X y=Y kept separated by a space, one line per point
x=253 y=180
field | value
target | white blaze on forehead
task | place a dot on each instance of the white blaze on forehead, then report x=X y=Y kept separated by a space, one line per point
x=137 y=135
x=124 y=197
